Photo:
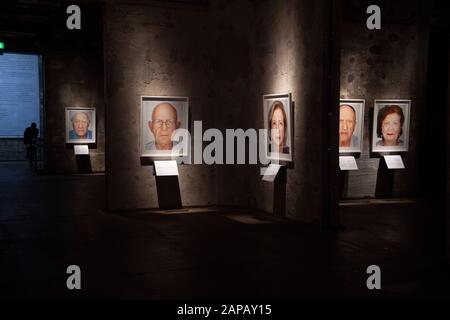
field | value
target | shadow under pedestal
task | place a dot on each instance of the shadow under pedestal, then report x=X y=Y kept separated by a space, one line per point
x=83 y=163
x=168 y=190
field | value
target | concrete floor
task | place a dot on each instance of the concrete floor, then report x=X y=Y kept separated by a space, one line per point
x=49 y=222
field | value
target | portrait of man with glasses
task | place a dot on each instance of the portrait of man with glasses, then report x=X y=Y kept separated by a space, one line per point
x=161 y=119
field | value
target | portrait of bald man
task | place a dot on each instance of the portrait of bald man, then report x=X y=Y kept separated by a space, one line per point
x=163 y=123
x=350 y=125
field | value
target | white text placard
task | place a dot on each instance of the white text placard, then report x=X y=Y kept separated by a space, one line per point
x=394 y=162
x=81 y=149
x=166 y=168
x=270 y=172
x=347 y=163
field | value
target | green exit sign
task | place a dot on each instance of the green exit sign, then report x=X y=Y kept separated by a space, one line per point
x=2 y=45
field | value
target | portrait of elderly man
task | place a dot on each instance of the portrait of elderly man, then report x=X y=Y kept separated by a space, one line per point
x=162 y=125
x=80 y=126
x=347 y=125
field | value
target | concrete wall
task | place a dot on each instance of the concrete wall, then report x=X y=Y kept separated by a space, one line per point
x=73 y=77
x=230 y=50
x=288 y=56
x=224 y=56
x=76 y=80
x=386 y=64
x=162 y=50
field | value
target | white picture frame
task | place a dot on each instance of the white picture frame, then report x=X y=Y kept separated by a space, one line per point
x=282 y=102
x=397 y=131
x=150 y=134
x=357 y=108
x=80 y=125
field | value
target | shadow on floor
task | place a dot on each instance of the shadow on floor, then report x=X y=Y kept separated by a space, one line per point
x=50 y=222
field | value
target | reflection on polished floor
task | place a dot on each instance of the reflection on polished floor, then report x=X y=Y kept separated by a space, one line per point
x=48 y=222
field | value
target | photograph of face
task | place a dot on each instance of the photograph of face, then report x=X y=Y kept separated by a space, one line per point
x=391 y=125
x=161 y=119
x=351 y=121
x=277 y=116
x=80 y=125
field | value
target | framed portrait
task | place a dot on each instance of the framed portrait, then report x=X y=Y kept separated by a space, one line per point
x=80 y=125
x=351 y=125
x=164 y=127
x=278 y=117
x=391 y=125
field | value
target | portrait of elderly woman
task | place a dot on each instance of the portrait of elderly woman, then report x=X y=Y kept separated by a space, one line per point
x=80 y=125
x=391 y=126
x=277 y=111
